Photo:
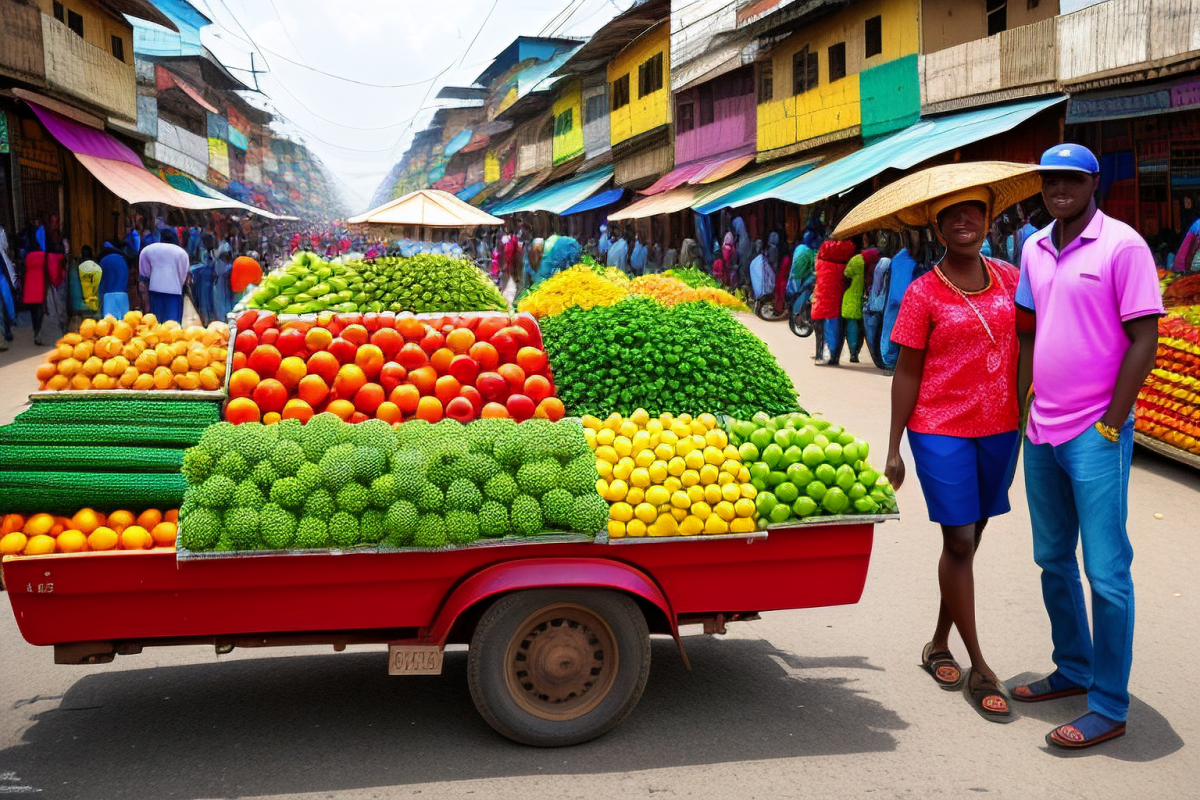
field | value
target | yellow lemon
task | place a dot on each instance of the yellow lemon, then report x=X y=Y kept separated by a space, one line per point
x=39 y=545
x=731 y=492
x=38 y=524
x=603 y=468
x=701 y=510
x=623 y=446
x=672 y=484
x=666 y=525
x=617 y=489
x=695 y=493
x=606 y=453
x=743 y=475
x=709 y=474
x=623 y=512
x=731 y=452
x=590 y=422
x=713 y=456
x=691 y=526
x=623 y=468
x=640 y=477
x=635 y=495
x=645 y=512
x=716 y=439
x=669 y=437
x=628 y=428
x=616 y=530
x=676 y=466
x=664 y=452
x=635 y=527
x=653 y=427
x=725 y=511
x=639 y=417
x=589 y=436
x=602 y=488
x=744 y=508
x=666 y=419
x=72 y=541
x=641 y=441
x=694 y=459
x=135 y=537
x=732 y=467
x=725 y=478
x=681 y=500
x=605 y=436
x=709 y=420
x=690 y=477
x=658 y=495
x=680 y=514
x=715 y=524
x=644 y=458
x=681 y=428
x=684 y=446
x=13 y=543
x=712 y=494
x=613 y=421
x=658 y=471
x=742 y=525
x=685 y=418
x=748 y=491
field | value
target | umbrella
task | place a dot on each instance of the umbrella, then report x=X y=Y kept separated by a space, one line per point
x=906 y=203
x=430 y=208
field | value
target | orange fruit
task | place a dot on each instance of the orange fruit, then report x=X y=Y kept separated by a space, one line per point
x=537 y=388
x=81 y=381
x=127 y=378
x=446 y=388
x=514 y=375
x=104 y=326
x=103 y=382
x=209 y=379
x=350 y=379
x=135 y=537
x=291 y=370
x=172 y=515
x=485 y=355
x=424 y=378
x=12 y=544
x=242 y=409
x=122 y=330
x=441 y=359
x=494 y=410
x=164 y=353
x=46 y=371
x=179 y=365
x=312 y=389
x=143 y=383
x=163 y=533
x=389 y=412
x=115 y=366
x=341 y=407
x=369 y=358
x=83 y=351
x=550 y=408
x=317 y=339
x=429 y=409
x=270 y=395
x=325 y=365
x=460 y=340
x=149 y=518
x=188 y=380
x=119 y=520
x=146 y=362
x=163 y=378
x=242 y=383
x=86 y=520
x=93 y=366
x=198 y=358
x=58 y=383
x=61 y=352
x=368 y=398
x=405 y=397
x=411 y=328
x=271 y=417
x=297 y=409
x=69 y=366
x=71 y=541
x=10 y=523
x=38 y=524
x=41 y=545
x=87 y=328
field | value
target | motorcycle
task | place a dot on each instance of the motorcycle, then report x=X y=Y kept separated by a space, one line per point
x=797 y=307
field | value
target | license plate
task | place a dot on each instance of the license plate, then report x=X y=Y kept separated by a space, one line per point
x=414 y=659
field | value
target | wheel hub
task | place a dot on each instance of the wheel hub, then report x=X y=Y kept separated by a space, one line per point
x=561 y=662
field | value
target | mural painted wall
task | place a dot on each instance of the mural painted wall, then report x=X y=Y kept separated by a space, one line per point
x=817 y=74
x=639 y=93
x=568 y=122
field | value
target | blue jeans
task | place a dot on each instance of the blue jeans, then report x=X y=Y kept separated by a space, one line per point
x=1080 y=489
x=840 y=331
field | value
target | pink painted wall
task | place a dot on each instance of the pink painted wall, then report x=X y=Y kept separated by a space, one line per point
x=732 y=130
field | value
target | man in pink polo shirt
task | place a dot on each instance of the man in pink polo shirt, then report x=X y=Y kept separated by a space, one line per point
x=1090 y=284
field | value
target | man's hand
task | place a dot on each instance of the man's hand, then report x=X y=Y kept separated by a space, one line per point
x=894 y=470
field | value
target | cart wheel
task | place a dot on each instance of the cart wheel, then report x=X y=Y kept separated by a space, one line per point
x=554 y=668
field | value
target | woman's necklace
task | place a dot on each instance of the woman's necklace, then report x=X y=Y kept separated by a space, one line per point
x=993 y=358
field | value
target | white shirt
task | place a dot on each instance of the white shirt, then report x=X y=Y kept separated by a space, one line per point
x=166 y=265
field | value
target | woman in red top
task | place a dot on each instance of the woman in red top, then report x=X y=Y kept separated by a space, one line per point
x=955 y=390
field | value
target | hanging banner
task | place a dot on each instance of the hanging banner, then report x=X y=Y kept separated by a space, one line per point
x=218 y=127
x=218 y=156
x=237 y=139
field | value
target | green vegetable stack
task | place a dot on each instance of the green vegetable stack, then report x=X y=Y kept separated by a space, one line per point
x=694 y=277
x=687 y=358
x=423 y=283
x=804 y=467
x=331 y=484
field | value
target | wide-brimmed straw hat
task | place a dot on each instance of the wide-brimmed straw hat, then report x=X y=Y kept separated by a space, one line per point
x=915 y=200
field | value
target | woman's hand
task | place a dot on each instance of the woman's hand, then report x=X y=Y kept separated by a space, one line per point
x=894 y=470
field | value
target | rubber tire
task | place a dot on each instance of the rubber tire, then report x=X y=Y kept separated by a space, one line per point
x=761 y=306
x=485 y=667
x=800 y=323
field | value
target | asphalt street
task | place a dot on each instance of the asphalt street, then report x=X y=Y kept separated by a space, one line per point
x=827 y=703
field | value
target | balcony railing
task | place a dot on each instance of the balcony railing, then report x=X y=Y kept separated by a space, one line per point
x=87 y=73
x=1014 y=63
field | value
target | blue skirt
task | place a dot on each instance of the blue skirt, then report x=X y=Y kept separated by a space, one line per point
x=965 y=480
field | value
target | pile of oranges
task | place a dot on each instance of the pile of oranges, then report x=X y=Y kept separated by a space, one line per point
x=137 y=352
x=44 y=534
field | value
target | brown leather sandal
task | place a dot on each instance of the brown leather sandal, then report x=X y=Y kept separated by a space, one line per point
x=988 y=698
x=940 y=664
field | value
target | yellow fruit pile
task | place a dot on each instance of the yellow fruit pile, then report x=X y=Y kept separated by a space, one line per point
x=669 y=291
x=577 y=286
x=137 y=352
x=44 y=534
x=670 y=476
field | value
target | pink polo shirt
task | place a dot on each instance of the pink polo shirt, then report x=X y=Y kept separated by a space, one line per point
x=1081 y=297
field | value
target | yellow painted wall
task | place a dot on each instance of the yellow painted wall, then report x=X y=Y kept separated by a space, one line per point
x=649 y=112
x=570 y=144
x=832 y=107
x=98 y=24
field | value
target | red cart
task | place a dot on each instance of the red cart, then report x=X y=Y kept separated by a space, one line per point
x=558 y=627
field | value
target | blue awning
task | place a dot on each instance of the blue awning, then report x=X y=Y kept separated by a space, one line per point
x=740 y=189
x=471 y=191
x=606 y=198
x=458 y=142
x=911 y=146
x=559 y=197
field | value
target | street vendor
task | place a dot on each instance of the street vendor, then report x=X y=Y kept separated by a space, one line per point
x=1084 y=272
x=955 y=391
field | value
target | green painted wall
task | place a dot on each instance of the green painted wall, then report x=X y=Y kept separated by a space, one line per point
x=890 y=95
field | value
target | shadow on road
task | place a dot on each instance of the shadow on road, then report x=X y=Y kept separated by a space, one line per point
x=337 y=722
x=1149 y=738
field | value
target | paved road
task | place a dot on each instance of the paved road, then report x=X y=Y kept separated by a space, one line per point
x=823 y=703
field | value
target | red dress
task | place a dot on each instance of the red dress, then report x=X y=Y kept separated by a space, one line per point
x=38 y=267
x=831 y=271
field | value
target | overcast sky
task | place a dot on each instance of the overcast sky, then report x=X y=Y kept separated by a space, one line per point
x=361 y=131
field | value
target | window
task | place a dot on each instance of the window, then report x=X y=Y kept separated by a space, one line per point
x=997 y=16
x=118 y=48
x=564 y=122
x=837 y=62
x=686 y=119
x=706 y=104
x=60 y=13
x=804 y=71
x=620 y=92
x=873 y=36
x=766 y=82
x=650 y=75
x=595 y=107
x=75 y=22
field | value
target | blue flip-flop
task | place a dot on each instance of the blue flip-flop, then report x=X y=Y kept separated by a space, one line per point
x=1051 y=687
x=1089 y=730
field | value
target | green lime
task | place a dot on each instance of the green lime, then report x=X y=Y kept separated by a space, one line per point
x=816 y=490
x=787 y=492
x=762 y=437
x=776 y=477
x=764 y=502
x=845 y=477
x=748 y=452
x=759 y=470
x=835 y=501
x=821 y=441
x=826 y=474
x=863 y=448
x=804 y=506
x=780 y=513
x=868 y=477
x=759 y=484
x=803 y=437
x=856 y=491
x=800 y=475
x=865 y=505
x=850 y=453
x=833 y=453
x=761 y=418
x=792 y=454
x=772 y=454
x=813 y=455
x=833 y=432
x=783 y=437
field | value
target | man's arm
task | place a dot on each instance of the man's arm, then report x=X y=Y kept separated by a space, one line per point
x=1135 y=366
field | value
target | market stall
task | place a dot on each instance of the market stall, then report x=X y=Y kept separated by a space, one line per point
x=1168 y=406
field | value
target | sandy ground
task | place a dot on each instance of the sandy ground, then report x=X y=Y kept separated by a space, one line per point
x=826 y=703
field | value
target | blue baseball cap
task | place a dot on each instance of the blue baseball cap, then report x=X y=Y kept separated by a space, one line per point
x=1069 y=157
